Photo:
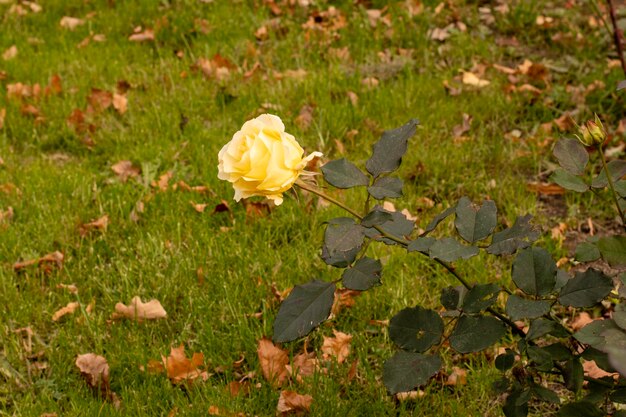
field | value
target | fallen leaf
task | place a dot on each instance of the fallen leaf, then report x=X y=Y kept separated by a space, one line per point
x=70 y=287
x=181 y=369
x=99 y=100
x=98 y=224
x=469 y=78
x=545 y=188
x=199 y=207
x=6 y=215
x=138 y=310
x=95 y=371
x=120 y=103
x=71 y=23
x=273 y=362
x=581 y=320
x=459 y=130
x=292 y=402
x=68 y=309
x=303 y=365
x=592 y=370
x=370 y=82
x=45 y=262
x=125 y=170
x=457 y=377
x=3 y=113
x=305 y=117
x=142 y=36
x=440 y=34
x=163 y=183
x=10 y=53
x=214 y=410
x=353 y=97
x=565 y=122
x=410 y=395
x=337 y=346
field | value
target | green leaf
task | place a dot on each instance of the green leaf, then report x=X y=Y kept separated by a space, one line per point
x=617 y=169
x=613 y=249
x=407 y=370
x=586 y=289
x=519 y=236
x=480 y=297
x=364 y=274
x=398 y=226
x=438 y=219
x=520 y=308
x=452 y=297
x=450 y=250
x=569 y=181
x=541 y=327
x=571 y=155
x=580 y=409
x=475 y=224
x=545 y=394
x=621 y=291
x=615 y=340
x=591 y=334
x=516 y=404
x=619 y=315
x=505 y=361
x=573 y=374
x=416 y=329
x=587 y=252
x=542 y=359
x=620 y=188
x=421 y=244
x=618 y=396
x=386 y=187
x=534 y=271
x=600 y=358
x=342 y=173
x=343 y=239
x=558 y=352
x=475 y=333
x=375 y=218
x=303 y=310
x=389 y=150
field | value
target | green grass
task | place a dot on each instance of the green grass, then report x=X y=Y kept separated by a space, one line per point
x=63 y=183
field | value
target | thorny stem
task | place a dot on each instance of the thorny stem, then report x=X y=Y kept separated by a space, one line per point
x=405 y=243
x=617 y=38
x=610 y=181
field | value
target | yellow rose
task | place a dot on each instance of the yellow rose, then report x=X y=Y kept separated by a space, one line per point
x=262 y=159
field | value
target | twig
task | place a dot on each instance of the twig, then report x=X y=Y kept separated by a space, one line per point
x=617 y=38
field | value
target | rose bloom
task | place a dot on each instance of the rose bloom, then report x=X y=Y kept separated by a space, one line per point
x=262 y=159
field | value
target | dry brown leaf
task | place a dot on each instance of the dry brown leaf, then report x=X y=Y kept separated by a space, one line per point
x=6 y=215
x=457 y=377
x=71 y=23
x=459 y=130
x=305 y=117
x=440 y=34
x=214 y=410
x=199 y=207
x=70 y=287
x=68 y=309
x=3 y=114
x=337 y=347
x=10 y=53
x=565 y=122
x=164 y=180
x=273 y=362
x=125 y=170
x=303 y=365
x=370 y=82
x=591 y=369
x=581 y=320
x=138 y=310
x=292 y=402
x=354 y=98
x=99 y=100
x=469 y=78
x=120 y=103
x=545 y=188
x=181 y=369
x=45 y=262
x=142 y=36
x=100 y=224
x=95 y=371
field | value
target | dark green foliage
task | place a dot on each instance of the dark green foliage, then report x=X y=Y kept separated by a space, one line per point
x=572 y=155
x=389 y=150
x=613 y=249
x=342 y=173
x=363 y=275
x=407 y=370
x=303 y=310
x=343 y=239
x=520 y=308
x=519 y=236
x=439 y=218
x=585 y=289
x=386 y=187
x=475 y=224
x=450 y=250
x=569 y=181
x=480 y=297
x=475 y=333
x=416 y=329
x=534 y=271
x=398 y=225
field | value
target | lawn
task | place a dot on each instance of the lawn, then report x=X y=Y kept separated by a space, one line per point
x=164 y=85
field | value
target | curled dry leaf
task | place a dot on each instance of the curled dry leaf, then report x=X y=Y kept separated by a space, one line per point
x=273 y=362
x=3 y=114
x=120 y=103
x=164 y=180
x=469 y=78
x=71 y=23
x=581 y=321
x=142 y=36
x=95 y=371
x=337 y=347
x=303 y=365
x=292 y=402
x=6 y=215
x=68 y=309
x=99 y=100
x=98 y=224
x=181 y=369
x=45 y=262
x=592 y=370
x=138 y=310
x=10 y=53
x=69 y=287
x=458 y=376
x=125 y=170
